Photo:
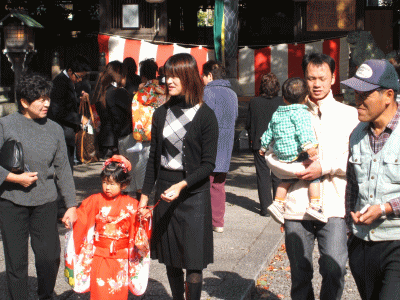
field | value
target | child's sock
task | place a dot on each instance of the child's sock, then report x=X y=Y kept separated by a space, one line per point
x=280 y=201
x=137 y=148
x=315 y=209
x=277 y=209
x=316 y=202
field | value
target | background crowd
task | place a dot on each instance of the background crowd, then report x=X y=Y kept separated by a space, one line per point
x=176 y=127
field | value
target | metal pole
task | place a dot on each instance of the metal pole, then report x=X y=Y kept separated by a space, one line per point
x=55 y=65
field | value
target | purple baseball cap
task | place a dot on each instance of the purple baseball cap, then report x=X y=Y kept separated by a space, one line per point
x=373 y=74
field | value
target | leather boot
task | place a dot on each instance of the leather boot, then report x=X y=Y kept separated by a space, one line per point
x=193 y=290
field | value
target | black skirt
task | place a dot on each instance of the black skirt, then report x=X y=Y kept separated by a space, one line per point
x=182 y=232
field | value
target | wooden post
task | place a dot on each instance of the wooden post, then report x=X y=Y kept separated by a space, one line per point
x=102 y=62
x=105 y=15
x=55 y=65
x=163 y=21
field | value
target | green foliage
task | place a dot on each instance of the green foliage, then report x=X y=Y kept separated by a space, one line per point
x=59 y=17
x=205 y=18
x=50 y=8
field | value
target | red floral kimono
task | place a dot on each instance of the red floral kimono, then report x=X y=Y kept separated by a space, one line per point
x=145 y=101
x=107 y=251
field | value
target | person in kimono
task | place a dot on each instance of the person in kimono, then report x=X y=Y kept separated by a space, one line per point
x=149 y=96
x=105 y=253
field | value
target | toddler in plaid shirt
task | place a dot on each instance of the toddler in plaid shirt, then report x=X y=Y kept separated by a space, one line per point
x=294 y=140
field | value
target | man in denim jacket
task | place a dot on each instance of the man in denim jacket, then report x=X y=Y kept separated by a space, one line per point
x=373 y=177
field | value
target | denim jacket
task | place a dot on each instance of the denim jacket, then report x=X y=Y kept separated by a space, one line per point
x=378 y=177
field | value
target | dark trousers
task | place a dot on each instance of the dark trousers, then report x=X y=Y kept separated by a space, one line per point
x=218 y=198
x=265 y=181
x=71 y=156
x=40 y=222
x=376 y=268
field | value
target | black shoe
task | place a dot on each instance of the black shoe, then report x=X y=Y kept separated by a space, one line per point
x=264 y=214
x=108 y=154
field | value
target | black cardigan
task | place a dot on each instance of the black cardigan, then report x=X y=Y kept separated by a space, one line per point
x=199 y=148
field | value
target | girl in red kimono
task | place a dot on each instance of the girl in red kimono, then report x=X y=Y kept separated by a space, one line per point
x=107 y=258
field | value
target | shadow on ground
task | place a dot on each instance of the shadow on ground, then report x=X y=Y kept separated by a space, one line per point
x=157 y=291
x=227 y=285
x=243 y=202
x=241 y=173
x=32 y=283
x=86 y=186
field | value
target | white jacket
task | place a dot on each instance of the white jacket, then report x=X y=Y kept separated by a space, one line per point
x=332 y=130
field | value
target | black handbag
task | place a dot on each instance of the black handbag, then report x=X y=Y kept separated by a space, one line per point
x=12 y=157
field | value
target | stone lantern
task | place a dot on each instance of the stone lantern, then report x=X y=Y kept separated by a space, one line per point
x=19 y=41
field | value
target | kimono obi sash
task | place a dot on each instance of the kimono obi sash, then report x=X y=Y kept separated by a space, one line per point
x=113 y=244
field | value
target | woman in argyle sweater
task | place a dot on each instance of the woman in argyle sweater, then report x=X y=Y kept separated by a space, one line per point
x=182 y=156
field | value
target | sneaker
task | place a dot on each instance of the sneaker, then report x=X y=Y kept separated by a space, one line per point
x=316 y=212
x=276 y=210
x=218 y=229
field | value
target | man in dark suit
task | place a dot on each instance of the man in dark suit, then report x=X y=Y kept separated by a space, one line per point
x=64 y=101
x=258 y=117
x=64 y=108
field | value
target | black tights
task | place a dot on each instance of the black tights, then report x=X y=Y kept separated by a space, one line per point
x=194 y=281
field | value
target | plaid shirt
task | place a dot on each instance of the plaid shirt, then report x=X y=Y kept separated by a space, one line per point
x=290 y=128
x=377 y=143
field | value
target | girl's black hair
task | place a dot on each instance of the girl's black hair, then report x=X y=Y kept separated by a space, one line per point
x=114 y=172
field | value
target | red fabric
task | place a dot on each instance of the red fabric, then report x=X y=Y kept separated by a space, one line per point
x=108 y=268
x=122 y=161
x=111 y=289
x=332 y=48
x=163 y=53
x=103 y=45
x=132 y=49
x=295 y=56
x=262 y=65
x=218 y=198
x=144 y=103
x=200 y=55
x=262 y=57
x=108 y=243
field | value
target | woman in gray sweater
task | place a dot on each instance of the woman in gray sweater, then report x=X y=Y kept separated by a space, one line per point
x=27 y=200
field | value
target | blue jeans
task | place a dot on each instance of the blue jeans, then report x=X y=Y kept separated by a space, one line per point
x=332 y=239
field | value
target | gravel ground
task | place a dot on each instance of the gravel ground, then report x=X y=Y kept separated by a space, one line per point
x=274 y=282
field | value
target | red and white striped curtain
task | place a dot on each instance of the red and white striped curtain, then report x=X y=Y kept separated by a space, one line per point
x=117 y=48
x=284 y=60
